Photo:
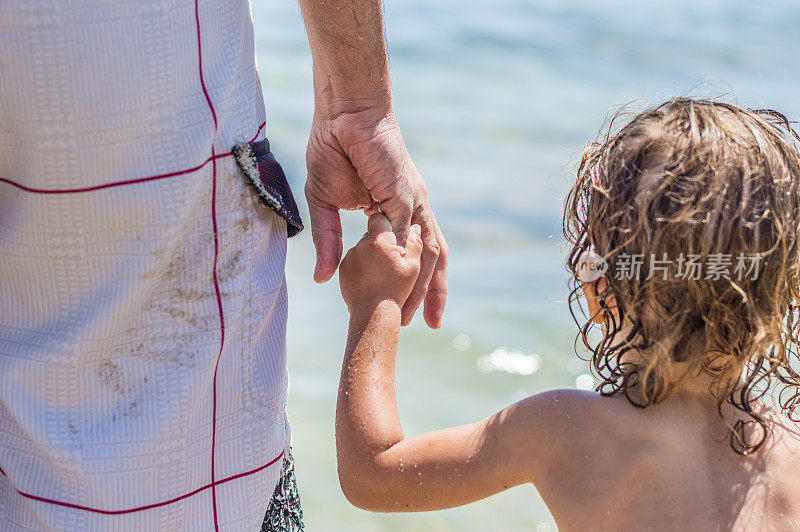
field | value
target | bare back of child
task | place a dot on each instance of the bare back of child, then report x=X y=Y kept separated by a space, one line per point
x=691 y=427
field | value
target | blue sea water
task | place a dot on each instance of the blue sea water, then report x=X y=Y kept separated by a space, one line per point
x=495 y=99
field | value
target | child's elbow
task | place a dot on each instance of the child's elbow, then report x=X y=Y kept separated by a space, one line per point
x=356 y=495
x=354 y=489
x=361 y=491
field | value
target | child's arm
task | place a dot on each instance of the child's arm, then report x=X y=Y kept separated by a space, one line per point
x=379 y=470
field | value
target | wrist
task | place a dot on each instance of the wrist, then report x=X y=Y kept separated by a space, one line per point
x=384 y=307
x=336 y=94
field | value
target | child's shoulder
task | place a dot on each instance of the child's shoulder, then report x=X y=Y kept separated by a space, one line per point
x=593 y=435
x=578 y=411
x=569 y=423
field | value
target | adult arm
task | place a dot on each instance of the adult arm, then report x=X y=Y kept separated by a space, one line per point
x=356 y=155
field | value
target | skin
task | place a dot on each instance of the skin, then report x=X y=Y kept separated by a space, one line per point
x=356 y=156
x=598 y=462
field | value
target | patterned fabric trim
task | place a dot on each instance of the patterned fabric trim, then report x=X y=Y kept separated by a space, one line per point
x=284 y=513
x=266 y=176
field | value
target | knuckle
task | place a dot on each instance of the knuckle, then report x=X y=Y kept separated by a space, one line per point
x=385 y=251
x=311 y=191
x=431 y=250
x=420 y=212
x=444 y=250
x=398 y=203
x=443 y=259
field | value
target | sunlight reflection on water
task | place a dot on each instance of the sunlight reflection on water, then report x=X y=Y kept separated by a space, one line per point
x=517 y=362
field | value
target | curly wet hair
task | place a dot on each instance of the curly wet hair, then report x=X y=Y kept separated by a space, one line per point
x=693 y=181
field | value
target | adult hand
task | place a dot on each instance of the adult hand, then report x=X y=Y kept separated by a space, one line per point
x=358 y=160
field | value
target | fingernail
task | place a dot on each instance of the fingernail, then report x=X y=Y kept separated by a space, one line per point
x=417 y=229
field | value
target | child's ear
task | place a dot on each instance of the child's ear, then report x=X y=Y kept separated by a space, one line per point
x=590 y=290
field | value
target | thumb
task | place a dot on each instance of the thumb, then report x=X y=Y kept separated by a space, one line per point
x=326 y=231
x=379 y=224
x=414 y=243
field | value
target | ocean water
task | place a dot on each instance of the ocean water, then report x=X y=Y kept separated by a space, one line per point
x=495 y=99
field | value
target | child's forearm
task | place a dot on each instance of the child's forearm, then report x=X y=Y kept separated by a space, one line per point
x=367 y=421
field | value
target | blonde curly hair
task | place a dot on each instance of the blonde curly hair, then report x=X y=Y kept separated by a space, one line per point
x=704 y=179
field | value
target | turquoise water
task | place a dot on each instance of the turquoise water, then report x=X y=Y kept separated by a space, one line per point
x=495 y=99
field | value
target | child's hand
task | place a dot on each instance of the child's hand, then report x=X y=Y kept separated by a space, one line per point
x=377 y=269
